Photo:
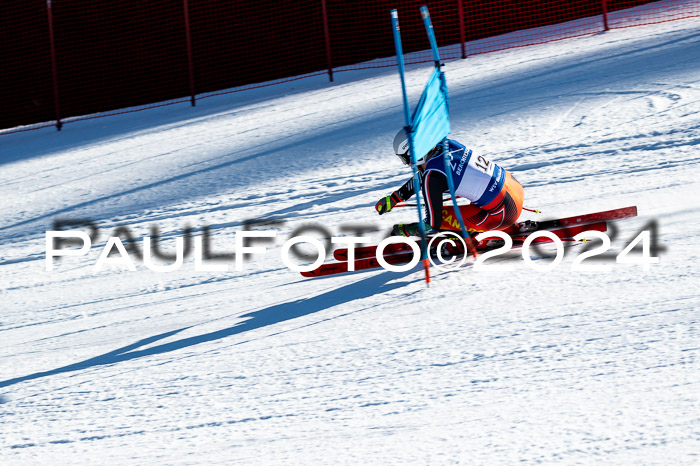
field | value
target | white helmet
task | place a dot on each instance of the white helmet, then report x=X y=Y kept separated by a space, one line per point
x=401 y=146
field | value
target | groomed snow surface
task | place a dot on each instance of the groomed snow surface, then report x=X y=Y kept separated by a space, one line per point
x=263 y=366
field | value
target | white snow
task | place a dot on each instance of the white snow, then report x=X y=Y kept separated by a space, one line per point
x=264 y=366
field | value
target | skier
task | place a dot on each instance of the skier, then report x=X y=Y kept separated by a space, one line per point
x=496 y=197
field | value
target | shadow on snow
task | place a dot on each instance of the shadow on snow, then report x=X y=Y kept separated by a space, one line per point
x=269 y=316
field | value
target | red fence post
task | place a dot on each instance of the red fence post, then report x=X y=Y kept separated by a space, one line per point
x=328 y=39
x=54 y=70
x=460 y=13
x=605 y=14
x=188 y=38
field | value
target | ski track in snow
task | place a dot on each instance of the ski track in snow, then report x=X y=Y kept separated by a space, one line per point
x=264 y=366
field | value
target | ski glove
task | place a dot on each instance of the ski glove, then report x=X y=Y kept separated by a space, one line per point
x=385 y=204
x=405 y=229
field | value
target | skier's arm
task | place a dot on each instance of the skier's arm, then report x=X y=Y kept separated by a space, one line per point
x=406 y=191
x=385 y=204
x=434 y=185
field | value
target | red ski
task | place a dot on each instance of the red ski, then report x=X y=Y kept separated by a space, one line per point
x=615 y=214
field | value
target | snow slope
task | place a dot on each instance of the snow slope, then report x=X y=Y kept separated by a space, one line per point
x=263 y=366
